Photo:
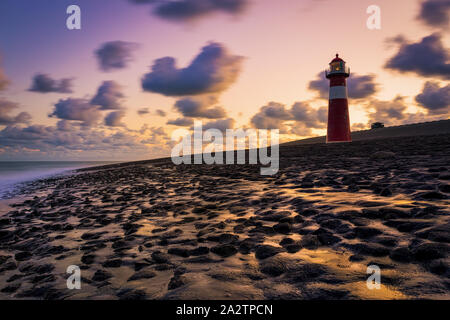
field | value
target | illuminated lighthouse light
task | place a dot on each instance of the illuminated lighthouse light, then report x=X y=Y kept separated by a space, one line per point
x=338 y=117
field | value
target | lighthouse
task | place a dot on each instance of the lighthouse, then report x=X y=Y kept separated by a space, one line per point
x=338 y=116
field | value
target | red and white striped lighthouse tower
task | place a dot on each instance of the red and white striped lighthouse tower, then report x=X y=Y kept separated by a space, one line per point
x=338 y=117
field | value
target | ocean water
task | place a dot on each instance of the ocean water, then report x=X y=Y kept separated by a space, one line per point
x=13 y=173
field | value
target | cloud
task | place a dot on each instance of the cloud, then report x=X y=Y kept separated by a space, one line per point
x=312 y=118
x=221 y=125
x=115 y=55
x=434 y=98
x=181 y=122
x=77 y=109
x=214 y=70
x=189 y=10
x=5 y=109
x=359 y=86
x=299 y=119
x=109 y=96
x=435 y=13
x=114 y=119
x=43 y=83
x=143 y=111
x=426 y=58
x=200 y=108
x=161 y=113
x=66 y=141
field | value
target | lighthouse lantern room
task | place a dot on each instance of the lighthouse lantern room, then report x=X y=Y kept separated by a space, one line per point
x=338 y=116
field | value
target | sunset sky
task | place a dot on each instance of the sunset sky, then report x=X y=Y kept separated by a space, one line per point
x=110 y=91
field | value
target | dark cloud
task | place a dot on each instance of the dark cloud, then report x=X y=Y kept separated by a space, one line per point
x=109 y=96
x=222 y=124
x=212 y=71
x=114 y=119
x=161 y=113
x=427 y=58
x=201 y=107
x=143 y=111
x=43 y=83
x=188 y=10
x=77 y=109
x=435 y=13
x=115 y=55
x=387 y=112
x=299 y=120
x=181 y=122
x=359 y=86
x=6 y=107
x=312 y=118
x=434 y=98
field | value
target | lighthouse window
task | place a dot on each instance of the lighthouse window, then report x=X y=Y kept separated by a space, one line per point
x=336 y=66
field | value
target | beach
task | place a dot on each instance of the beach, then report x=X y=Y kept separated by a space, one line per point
x=154 y=230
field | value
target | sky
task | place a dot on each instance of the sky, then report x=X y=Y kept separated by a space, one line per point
x=139 y=69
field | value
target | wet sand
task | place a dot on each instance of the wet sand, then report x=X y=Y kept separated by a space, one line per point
x=153 y=230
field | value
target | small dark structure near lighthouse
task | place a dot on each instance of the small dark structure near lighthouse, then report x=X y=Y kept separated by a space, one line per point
x=338 y=116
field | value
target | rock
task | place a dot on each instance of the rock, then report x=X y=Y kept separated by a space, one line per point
x=286 y=241
x=401 y=254
x=199 y=251
x=293 y=248
x=444 y=188
x=439 y=233
x=142 y=275
x=266 y=251
x=366 y=232
x=325 y=237
x=433 y=195
x=430 y=251
x=273 y=266
x=113 y=263
x=439 y=267
x=386 y=192
x=88 y=258
x=310 y=241
x=306 y=272
x=101 y=275
x=3 y=259
x=182 y=252
x=91 y=235
x=372 y=249
x=356 y=258
x=160 y=257
x=11 y=288
x=225 y=250
x=22 y=256
x=176 y=282
x=386 y=241
x=140 y=265
x=283 y=228
x=4 y=222
x=6 y=235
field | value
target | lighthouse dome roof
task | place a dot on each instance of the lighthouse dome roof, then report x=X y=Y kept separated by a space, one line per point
x=337 y=59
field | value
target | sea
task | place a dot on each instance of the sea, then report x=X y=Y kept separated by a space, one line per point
x=15 y=173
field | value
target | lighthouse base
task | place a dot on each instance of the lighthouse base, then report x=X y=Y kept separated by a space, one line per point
x=338 y=122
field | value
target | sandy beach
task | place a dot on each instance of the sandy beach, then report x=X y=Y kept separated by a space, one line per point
x=153 y=230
